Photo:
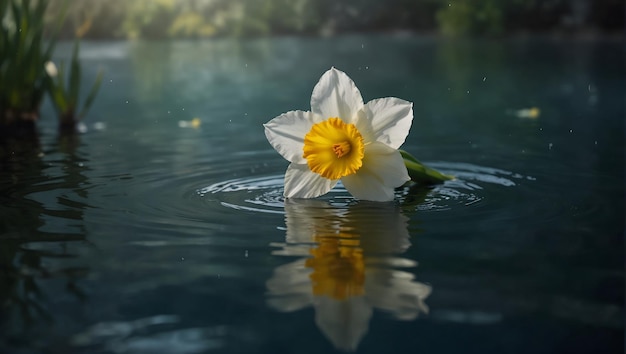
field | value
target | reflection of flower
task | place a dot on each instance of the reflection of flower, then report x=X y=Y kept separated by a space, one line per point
x=342 y=138
x=338 y=270
x=347 y=268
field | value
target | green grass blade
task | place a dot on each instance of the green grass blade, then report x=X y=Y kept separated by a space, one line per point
x=75 y=75
x=92 y=95
x=61 y=78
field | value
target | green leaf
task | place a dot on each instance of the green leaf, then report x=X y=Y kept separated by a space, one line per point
x=75 y=75
x=92 y=95
x=421 y=173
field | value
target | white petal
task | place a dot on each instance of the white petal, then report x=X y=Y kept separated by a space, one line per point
x=286 y=133
x=336 y=95
x=300 y=182
x=383 y=169
x=386 y=120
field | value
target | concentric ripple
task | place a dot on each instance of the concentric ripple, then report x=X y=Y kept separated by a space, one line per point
x=265 y=193
x=262 y=194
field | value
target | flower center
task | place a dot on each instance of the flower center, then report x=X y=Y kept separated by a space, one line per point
x=333 y=149
x=342 y=148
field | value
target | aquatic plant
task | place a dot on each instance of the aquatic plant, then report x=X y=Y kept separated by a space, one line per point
x=23 y=55
x=65 y=98
x=27 y=72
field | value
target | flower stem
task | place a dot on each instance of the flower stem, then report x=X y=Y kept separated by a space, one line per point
x=421 y=173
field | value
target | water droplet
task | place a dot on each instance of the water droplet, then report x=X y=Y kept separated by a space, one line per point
x=484 y=78
x=595 y=142
x=246 y=254
x=182 y=258
x=362 y=45
x=467 y=91
x=571 y=130
x=367 y=67
x=550 y=146
x=126 y=101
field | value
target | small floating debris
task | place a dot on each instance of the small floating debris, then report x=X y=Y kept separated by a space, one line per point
x=82 y=128
x=99 y=126
x=528 y=113
x=194 y=123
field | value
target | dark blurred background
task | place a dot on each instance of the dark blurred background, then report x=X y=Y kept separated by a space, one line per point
x=161 y=19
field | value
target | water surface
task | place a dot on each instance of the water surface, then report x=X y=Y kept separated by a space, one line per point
x=151 y=234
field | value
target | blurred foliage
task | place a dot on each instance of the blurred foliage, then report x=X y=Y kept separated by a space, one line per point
x=26 y=69
x=23 y=54
x=65 y=98
x=472 y=17
x=148 y=18
x=160 y=19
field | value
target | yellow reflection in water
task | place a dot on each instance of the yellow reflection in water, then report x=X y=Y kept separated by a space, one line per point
x=347 y=265
x=338 y=270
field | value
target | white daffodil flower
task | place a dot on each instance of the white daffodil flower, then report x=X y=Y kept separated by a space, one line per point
x=343 y=139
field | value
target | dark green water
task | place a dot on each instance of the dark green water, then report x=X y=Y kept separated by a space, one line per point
x=142 y=236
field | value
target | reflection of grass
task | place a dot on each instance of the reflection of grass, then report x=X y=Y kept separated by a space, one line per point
x=26 y=258
x=21 y=298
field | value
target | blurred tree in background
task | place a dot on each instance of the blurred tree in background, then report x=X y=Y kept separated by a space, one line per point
x=160 y=19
